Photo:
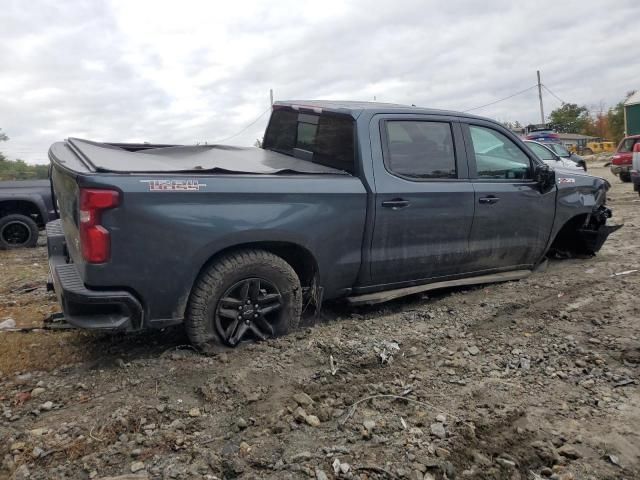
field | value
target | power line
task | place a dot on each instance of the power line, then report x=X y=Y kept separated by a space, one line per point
x=549 y=90
x=502 y=99
x=245 y=128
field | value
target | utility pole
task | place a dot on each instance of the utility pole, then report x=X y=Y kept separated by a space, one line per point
x=540 y=97
x=271 y=95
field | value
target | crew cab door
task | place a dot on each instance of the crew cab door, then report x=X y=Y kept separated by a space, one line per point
x=513 y=218
x=424 y=200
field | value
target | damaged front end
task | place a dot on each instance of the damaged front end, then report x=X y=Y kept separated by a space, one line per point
x=595 y=231
x=584 y=235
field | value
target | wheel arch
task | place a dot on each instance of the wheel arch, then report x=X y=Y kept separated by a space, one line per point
x=300 y=258
x=23 y=206
x=567 y=232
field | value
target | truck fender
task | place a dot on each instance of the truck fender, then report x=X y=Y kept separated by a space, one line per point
x=282 y=243
x=35 y=200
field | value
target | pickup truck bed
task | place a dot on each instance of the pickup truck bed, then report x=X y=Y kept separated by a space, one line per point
x=104 y=157
x=345 y=199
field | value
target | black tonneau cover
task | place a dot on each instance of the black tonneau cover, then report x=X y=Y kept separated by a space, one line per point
x=211 y=158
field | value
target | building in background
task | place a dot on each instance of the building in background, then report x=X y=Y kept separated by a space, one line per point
x=575 y=140
x=632 y=114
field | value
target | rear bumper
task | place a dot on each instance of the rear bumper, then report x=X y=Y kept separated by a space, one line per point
x=84 y=307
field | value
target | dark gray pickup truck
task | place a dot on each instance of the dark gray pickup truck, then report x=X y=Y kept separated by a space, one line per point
x=364 y=201
x=25 y=207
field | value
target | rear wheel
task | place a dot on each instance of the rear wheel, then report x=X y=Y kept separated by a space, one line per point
x=18 y=231
x=244 y=296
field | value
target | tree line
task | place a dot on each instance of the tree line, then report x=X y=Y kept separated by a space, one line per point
x=19 y=169
x=604 y=123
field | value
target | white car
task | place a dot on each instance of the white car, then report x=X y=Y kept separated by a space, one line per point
x=550 y=157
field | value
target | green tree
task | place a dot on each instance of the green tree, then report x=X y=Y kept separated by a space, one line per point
x=570 y=118
x=18 y=169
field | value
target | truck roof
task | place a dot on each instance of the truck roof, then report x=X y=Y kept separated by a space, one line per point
x=356 y=108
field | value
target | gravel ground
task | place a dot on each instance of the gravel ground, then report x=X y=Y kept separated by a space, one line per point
x=523 y=380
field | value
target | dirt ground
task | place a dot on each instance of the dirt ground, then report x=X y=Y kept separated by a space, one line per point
x=522 y=380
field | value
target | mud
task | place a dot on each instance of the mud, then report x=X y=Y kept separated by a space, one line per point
x=522 y=380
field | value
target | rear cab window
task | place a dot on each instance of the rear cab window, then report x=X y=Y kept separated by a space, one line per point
x=419 y=150
x=326 y=139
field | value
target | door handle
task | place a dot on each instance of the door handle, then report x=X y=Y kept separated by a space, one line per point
x=396 y=203
x=490 y=199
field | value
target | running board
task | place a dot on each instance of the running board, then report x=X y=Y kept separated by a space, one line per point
x=385 y=296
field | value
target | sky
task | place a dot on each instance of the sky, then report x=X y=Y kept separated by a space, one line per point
x=195 y=71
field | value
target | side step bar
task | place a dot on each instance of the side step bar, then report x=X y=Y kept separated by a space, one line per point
x=385 y=296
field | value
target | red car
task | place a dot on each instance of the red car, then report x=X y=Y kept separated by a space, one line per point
x=621 y=160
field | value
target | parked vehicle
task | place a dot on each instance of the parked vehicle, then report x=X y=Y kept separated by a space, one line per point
x=25 y=207
x=622 y=159
x=593 y=148
x=565 y=154
x=551 y=158
x=551 y=139
x=635 y=167
x=362 y=201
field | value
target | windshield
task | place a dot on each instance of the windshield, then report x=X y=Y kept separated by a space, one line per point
x=324 y=139
x=627 y=145
x=559 y=149
x=542 y=152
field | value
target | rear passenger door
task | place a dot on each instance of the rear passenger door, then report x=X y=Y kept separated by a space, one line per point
x=513 y=219
x=423 y=199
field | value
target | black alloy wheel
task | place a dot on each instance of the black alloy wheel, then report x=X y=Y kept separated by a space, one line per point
x=243 y=296
x=248 y=311
x=16 y=233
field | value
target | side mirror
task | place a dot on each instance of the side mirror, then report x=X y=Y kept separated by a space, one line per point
x=545 y=176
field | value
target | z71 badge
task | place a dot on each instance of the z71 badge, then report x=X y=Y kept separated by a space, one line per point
x=566 y=180
x=174 y=185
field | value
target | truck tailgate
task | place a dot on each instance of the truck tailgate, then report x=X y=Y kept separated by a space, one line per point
x=67 y=193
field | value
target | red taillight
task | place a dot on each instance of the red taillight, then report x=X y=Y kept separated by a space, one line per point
x=94 y=238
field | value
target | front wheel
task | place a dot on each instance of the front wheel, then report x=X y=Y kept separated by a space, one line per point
x=17 y=231
x=245 y=296
x=625 y=177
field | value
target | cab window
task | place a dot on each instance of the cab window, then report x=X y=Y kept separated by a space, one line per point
x=498 y=157
x=419 y=149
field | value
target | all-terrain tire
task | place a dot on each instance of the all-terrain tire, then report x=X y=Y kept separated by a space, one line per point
x=228 y=271
x=17 y=231
x=625 y=177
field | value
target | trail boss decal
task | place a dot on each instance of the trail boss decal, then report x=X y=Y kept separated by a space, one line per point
x=174 y=185
x=566 y=180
